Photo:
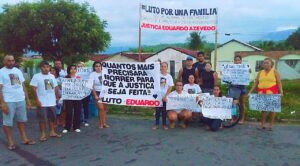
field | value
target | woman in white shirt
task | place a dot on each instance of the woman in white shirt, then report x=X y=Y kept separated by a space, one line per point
x=96 y=76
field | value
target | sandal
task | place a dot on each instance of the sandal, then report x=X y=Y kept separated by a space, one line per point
x=106 y=126
x=55 y=136
x=11 y=147
x=270 y=129
x=261 y=128
x=100 y=127
x=43 y=139
x=29 y=142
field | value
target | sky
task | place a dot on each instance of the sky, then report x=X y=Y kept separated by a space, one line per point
x=243 y=19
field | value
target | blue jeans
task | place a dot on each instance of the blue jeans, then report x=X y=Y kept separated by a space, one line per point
x=163 y=111
x=214 y=124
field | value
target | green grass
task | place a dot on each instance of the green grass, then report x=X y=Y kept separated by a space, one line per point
x=290 y=103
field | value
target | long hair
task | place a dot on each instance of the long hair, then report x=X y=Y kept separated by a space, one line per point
x=69 y=68
x=95 y=63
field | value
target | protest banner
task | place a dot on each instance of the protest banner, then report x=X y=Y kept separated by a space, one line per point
x=131 y=84
x=265 y=102
x=84 y=72
x=189 y=102
x=217 y=107
x=171 y=19
x=236 y=74
x=75 y=89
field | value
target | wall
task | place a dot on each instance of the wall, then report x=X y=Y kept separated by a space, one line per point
x=170 y=54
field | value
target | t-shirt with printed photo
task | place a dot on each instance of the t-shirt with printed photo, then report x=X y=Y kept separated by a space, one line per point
x=11 y=80
x=97 y=79
x=166 y=81
x=45 y=84
x=192 y=89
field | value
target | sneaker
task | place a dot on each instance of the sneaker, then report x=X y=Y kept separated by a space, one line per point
x=86 y=124
x=65 y=131
x=77 y=131
x=155 y=127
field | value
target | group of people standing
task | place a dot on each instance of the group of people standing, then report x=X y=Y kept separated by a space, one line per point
x=200 y=78
x=192 y=79
x=46 y=87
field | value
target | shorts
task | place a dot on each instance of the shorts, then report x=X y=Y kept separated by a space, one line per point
x=17 y=109
x=45 y=113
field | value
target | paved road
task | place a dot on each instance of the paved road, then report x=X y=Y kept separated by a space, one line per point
x=130 y=141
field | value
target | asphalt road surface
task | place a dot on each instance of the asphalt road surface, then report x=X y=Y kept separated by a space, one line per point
x=131 y=141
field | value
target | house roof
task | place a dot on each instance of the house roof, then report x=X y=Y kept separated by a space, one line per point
x=179 y=49
x=135 y=56
x=245 y=44
x=271 y=54
x=98 y=57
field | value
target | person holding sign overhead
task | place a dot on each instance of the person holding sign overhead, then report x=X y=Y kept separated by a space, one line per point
x=183 y=115
x=96 y=76
x=72 y=106
x=267 y=82
x=166 y=84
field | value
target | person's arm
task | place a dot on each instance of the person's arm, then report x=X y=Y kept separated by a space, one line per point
x=28 y=103
x=197 y=73
x=215 y=78
x=57 y=94
x=36 y=98
x=3 y=104
x=167 y=93
x=94 y=92
x=179 y=77
x=279 y=84
x=255 y=84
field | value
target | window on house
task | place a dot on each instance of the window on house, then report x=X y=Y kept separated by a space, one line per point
x=258 y=66
x=291 y=63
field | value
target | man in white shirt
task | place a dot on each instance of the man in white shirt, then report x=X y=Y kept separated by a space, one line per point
x=45 y=93
x=12 y=97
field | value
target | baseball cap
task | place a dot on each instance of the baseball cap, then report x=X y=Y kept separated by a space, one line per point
x=189 y=58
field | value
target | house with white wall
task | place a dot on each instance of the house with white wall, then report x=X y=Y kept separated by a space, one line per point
x=174 y=56
x=226 y=52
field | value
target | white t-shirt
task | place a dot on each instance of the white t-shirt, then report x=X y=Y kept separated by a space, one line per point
x=166 y=81
x=97 y=79
x=45 y=88
x=192 y=89
x=12 y=80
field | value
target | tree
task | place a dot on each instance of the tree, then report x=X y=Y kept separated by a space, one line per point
x=294 y=40
x=56 y=29
x=195 y=41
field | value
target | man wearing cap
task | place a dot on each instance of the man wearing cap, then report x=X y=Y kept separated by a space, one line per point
x=186 y=71
x=13 y=95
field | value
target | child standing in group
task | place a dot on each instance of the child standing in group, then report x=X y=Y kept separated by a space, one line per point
x=45 y=93
x=166 y=84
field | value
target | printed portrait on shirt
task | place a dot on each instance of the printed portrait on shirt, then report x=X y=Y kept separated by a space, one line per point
x=163 y=82
x=48 y=84
x=14 y=79
x=100 y=79
x=191 y=91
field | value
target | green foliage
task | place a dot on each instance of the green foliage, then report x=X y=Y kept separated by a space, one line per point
x=294 y=39
x=271 y=45
x=158 y=47
x=28 y=63
x=195 y=41
x=53 y=28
